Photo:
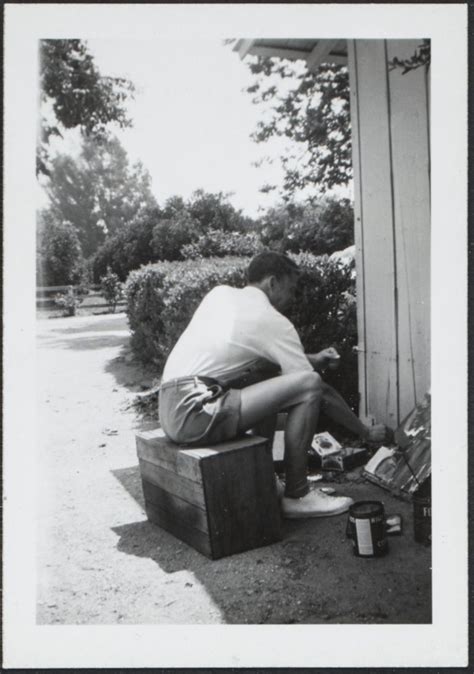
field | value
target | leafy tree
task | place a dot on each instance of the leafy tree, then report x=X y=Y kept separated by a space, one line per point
x=276 y=222
x=320 y=228
x=214 y=211
x=173 y=206
x=99 y=192
x=130 y=248
x=59 y=254
x=185 y=221
x=310 y=109
x=335 y=227
x=75 y=95
x=170 y=235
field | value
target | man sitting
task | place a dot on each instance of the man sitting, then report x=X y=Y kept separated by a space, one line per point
x=207 y=395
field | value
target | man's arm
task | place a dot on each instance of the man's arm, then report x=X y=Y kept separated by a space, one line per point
x=325 y=358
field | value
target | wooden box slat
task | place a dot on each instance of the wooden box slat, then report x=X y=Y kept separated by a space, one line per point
x=167 y=520
x=176 y=484
x=153 y=445
x=191 y=515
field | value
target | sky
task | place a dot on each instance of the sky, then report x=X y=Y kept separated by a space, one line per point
x=192 y=120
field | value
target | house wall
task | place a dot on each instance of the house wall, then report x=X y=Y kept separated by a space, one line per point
x=390 y=121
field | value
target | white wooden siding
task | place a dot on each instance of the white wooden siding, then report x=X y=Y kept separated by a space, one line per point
x=390 y=124
x=410 y=160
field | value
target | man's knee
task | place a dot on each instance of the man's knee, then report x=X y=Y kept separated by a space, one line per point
x=312 y=385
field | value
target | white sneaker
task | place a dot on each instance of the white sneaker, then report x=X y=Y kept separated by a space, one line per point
x=315 y=504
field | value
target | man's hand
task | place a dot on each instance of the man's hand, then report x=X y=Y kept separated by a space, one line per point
x=331 y=357
x=326 y=358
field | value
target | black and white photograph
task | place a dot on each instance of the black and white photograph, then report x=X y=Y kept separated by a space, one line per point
x=235 y=351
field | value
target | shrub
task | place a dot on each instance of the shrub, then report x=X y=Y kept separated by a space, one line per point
x=129 y=249
x=59 y=253
x=163 y=234
x=161 y=299
x=171 y=234
x=111 y=289
x=68 y=301
x=217 y=243
x=324 y=314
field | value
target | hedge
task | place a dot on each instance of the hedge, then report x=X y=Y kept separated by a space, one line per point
x=217 y=243
x=162 y=297
x=324 y=314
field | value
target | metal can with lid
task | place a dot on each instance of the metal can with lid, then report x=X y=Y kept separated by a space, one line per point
x=366 y=529
x=422 y=519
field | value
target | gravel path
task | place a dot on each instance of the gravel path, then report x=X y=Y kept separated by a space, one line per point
x=100 y=561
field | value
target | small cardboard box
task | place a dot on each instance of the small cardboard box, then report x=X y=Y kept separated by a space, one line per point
x=346 y=459
x=325 y=445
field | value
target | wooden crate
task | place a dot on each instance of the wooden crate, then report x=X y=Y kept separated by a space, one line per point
x=221 y=499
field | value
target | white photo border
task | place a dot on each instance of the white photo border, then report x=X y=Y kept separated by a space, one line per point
x=445 y=641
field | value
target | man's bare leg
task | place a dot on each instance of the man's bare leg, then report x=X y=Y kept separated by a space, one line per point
x=334 y=405
x=300 y=394
x=266 y=428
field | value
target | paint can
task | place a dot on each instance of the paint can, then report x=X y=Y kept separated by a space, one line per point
x=366 y=529
x=422 y=519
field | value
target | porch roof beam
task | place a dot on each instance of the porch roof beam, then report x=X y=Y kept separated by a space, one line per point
x=280 y=52
x=320 y=53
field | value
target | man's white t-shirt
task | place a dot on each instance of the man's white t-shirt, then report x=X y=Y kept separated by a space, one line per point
x=231 y=329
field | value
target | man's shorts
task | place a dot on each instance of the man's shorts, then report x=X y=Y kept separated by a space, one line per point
x=197 y=411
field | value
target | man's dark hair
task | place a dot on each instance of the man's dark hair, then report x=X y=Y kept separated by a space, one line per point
x=270 y=263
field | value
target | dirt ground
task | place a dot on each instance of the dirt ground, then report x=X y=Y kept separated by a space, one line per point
x=101 y=562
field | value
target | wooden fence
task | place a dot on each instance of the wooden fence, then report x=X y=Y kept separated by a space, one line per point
x=90 y=294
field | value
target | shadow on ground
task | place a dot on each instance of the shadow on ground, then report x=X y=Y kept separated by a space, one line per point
x=130 y=373
x=87 y=333
x=87 y=342
x=90 y=333
x=311 y=576
x=113 y=324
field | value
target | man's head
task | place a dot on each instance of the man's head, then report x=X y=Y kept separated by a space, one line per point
x=277 y=275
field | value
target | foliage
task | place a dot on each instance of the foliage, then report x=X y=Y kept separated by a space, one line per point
x=99 y=192
x=161 y=299
x=164 y=233
x=324 y=314
x=217 y=243
x=184 y=223
x=111 y=289
x=129 y=249
x=171 y=234
x=214 y=211
x=421 y=57
x=312 y=110
x=68 y=301
x=59 y=254
x=75 y=95
x=320 y=228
